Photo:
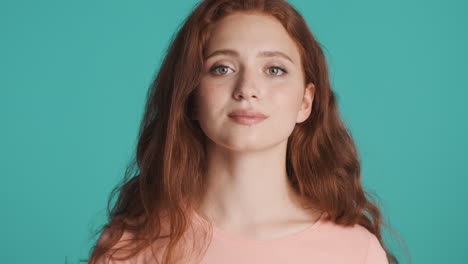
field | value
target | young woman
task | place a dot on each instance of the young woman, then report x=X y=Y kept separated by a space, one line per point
x=242 y=155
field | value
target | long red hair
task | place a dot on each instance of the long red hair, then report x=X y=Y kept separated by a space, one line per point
x=167 y=175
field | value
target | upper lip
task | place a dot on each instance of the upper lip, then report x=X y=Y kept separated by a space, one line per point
x=246 y=113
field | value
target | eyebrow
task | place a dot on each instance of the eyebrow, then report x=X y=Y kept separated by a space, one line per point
x=260 y=54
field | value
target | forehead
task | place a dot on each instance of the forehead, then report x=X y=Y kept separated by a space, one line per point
x=249 y=33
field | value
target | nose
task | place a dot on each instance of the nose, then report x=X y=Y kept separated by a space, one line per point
x=246 y=87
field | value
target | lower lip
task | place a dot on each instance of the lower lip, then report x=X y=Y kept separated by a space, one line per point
x=245 y=120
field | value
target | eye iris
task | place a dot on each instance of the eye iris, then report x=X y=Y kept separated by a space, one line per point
x=275 y=70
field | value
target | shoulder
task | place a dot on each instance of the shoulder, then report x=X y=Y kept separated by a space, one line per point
x=126 y=241
x=107 y=235
x=355 y=241
x=375 y=252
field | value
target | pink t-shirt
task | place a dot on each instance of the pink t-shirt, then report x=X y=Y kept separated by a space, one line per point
x=323 y=242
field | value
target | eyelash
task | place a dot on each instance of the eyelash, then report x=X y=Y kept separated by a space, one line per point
x=217 y=66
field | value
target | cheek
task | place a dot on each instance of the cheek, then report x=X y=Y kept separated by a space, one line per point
x=209 y=89
x=208 y=98
x=284 y=109
x=287 y=99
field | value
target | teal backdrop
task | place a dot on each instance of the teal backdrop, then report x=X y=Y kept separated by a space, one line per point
x=74 y=76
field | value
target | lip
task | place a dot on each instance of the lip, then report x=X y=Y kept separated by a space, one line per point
x=246 y=113
x=247 y=117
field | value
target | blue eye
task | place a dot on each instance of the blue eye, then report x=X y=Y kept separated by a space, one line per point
x=225 y=70
x=220 y=66
x=278 y=68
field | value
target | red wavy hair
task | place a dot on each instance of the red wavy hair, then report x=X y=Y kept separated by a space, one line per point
x=166 y=178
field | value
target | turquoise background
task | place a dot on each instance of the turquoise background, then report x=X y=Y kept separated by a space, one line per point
x=73 y=80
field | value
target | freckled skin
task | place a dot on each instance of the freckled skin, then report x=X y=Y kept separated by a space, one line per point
x=248 y=81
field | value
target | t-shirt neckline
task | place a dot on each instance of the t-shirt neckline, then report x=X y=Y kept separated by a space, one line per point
x=220 y=234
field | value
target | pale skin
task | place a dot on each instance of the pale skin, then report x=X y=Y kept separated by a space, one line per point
x=248 y=192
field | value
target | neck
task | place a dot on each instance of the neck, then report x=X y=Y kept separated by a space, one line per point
x=248 y=187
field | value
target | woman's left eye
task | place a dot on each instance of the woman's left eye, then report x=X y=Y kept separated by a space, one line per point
x=276 y=68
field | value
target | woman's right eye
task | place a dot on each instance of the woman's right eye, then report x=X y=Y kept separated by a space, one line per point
x=223 y=69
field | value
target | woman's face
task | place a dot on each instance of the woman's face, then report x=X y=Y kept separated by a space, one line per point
x=251 y=63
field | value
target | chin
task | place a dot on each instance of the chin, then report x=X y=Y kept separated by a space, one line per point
x=249 y=145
